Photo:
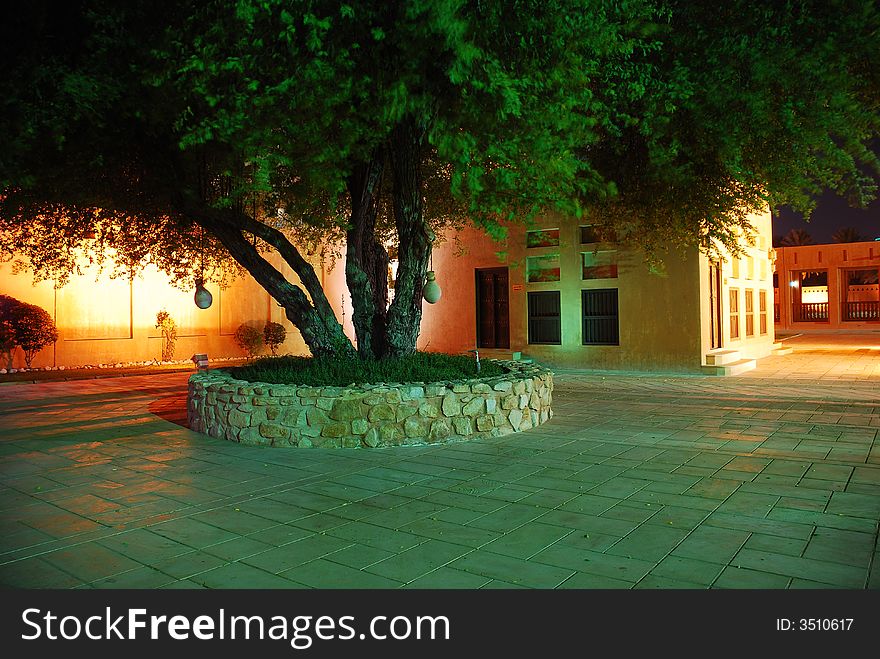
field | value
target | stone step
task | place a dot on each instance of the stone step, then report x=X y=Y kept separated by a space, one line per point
x=722 y=357
x=782 y=350
x=735 y=368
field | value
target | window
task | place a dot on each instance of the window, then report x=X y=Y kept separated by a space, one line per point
x=544 y=319
x=734 y=266
x=734 y=313
x=750 y=267
x=542 y=238
x=750 y=312
x=601 y=322
x=599 y=265
x=542 y=268
x=762 y=302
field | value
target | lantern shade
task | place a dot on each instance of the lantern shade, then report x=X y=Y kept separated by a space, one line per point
x=431 y=290
x=203 y=297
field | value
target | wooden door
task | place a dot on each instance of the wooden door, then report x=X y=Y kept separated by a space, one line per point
x=715 y=305
x=493 y=308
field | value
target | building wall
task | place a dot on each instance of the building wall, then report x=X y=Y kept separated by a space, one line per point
x=836 y=260
x=103 y=320
x=750 y=271
x=659 y=314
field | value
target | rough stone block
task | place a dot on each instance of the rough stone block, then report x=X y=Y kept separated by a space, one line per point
x=481 y=388
x=359 y=426
x=316 y=417
x=239 y=419
x=390 y=434
x=463 y=426
x=515 y=417
x=510 y=402
x=503 y=386
x=346 y=409
x=273 y=412
x=485 y=423
x=273 y=430
x=371 y=439
x=474 y=407
x=406 y=410
x=491 y=405
x=451 y=406
x=334 y=429
x=381 y=412
x=415 y=427
x=428 y=410
x=439 y=430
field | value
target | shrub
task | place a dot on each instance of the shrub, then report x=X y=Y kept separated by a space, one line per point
x=249 y=339
x=274 y=335
x=7 y=335
x=25 y=325
x=335 y=371
x=166 y=323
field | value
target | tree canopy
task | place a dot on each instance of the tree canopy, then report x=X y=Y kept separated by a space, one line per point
x=183 y=134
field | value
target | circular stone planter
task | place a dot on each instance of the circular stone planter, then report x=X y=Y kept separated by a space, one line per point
x=370 y=415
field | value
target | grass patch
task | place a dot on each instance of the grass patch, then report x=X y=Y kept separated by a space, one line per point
x=333 y=371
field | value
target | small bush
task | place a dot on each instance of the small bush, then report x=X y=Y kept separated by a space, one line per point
x=25 y=325
x=274 y=335
x=335 y=371
x=166 y=323
x=249 y=339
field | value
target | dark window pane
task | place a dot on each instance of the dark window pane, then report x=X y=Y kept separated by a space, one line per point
x=544 y=317
x=601 y=324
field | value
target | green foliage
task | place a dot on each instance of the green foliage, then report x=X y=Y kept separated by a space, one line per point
x=322 y=371
x=666 y=121
x=249 y=339
x=25 y=325
x=165 y=323
x=274 y=335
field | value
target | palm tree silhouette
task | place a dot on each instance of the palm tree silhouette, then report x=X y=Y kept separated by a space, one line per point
x=847 y=235
x=796 y=237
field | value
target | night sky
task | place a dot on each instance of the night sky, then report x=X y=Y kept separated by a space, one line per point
x=832 y=213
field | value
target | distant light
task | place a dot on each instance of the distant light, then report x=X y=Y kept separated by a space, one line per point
x=794 y=284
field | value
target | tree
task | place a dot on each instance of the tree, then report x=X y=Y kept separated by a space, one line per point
x=796 y=238
x=274 y=335
x=847 y=235
x=186 y=133
x=249 y=339
x=25 y=325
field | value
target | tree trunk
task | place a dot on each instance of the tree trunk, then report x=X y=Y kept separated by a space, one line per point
x=315 y=319
x=405 y=312
x=366 y=261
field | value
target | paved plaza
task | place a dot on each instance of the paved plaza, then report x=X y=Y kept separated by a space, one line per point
x=769 y=480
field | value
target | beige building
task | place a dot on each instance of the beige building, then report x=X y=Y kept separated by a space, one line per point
x=828 y=287
x=557 y=295
x=552 y=293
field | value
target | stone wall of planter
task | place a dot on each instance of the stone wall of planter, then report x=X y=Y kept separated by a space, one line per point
x=369 y=415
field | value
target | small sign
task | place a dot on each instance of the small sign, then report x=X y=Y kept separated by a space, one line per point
x=518 y=287
x=201 y=361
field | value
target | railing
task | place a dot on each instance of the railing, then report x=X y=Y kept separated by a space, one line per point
x=811 y=311
x=861 y=310
x=775 y=313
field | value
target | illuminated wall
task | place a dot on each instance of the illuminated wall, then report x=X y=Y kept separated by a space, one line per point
x=107 y=321
x=850 y=297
